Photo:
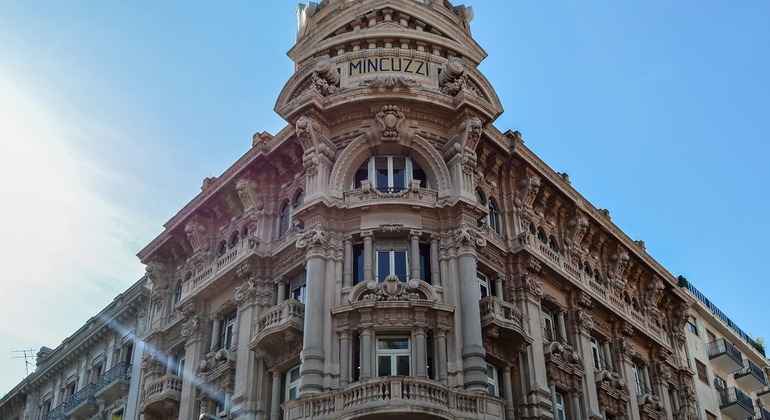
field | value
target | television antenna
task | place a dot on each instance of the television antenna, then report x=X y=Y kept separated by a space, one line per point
x=27 y=355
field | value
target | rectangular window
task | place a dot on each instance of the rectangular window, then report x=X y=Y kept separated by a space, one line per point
x=299 y=293
x=425 y=268
x=640 y=387
x=298 y=288
x=292 y=384
x=393 y=356
x=701 y=369
x=228 y=331
x=549 y=330
x=392 y=263
x=483 y=285
x=358 y=263
x=692 y=328
x=560 y=411
x=598 y=365
x=178 y=367
x=493 y=381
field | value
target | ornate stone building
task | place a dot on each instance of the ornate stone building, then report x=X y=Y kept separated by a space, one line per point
x=92 y=374
x=392 y=252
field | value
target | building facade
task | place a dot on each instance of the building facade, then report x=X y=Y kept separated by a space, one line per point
x=392 y=252
x=731 y=368
x=88 y=376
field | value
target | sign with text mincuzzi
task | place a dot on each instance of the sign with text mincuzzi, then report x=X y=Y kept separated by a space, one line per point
x=386 y=65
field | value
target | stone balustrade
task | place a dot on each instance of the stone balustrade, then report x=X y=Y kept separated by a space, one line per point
x=396 y=395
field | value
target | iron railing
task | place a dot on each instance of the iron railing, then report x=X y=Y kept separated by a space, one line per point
x=721 y=346
x=750 y=368
x=85 y=394
x=734 y=395
x=119 y=372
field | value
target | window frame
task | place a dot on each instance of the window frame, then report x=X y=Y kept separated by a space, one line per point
x=291 y=385
x=371 y=173
x=226 y=334
x=549 y=324
x=393 y=355
x=560 y=411
x=484 y=288
x=392 y=262
x=493 y=381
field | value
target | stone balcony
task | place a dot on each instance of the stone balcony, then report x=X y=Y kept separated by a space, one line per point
x=222 y=264
x=368 y=196
x=396 y=396
x=276 y=324
x=82 y=404
x=505 y=318
x=162 y=392
x=764 y=395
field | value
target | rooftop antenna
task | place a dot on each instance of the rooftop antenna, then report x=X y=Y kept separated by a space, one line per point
x=27 y=355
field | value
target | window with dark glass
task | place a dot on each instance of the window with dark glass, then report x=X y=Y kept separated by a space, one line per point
x=393 y=356
x=358 y=263
x=392 y=263
x=227 y=332
x=425 y=268
x=390 y=173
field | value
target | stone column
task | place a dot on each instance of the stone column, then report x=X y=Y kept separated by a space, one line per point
x=576 y=412
x=435 y=274
x=560 y=325
x=414 y=250
x=368 y=237
x=535 y=392
x=281 y=292
x=582 y=325
x=248 y=396
x=313 y=356
x=421 y=352
x=366 y=353
x=625 y=352
x=347 y=268
x=215 y=330
x=510 y=411
x=275 y=397
x=473 y=352
x=193 y=332
x=499 y=287
x=441 y=363
x=552 y=387
x=344 y=358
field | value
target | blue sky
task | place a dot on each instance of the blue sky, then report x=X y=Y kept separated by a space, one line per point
x=112 y=113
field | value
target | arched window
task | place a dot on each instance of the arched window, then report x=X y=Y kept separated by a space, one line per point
x=222 y=248
x=285 y=221
x=287 y=212
x=493 y=217
x=553 y=244
x=541 y=236
x=390 y=173
x=235 y=239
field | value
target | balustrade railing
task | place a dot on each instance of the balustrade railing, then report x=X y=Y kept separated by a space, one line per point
x=163 y=385
x=388 y=391
x=493 y=306
x=287 y=310
x=219 y=264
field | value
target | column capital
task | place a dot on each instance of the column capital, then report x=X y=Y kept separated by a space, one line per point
x=367 y=235
x=415 y=234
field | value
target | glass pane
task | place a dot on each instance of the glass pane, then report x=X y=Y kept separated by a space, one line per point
x=383 y=265
x=292 y=393
x=294 y=375
x=483 y=290
x=400 y=265
x=393 y=344
x=399 y=173
x=402 y=368
x=383 y=366
x=361 y=174
x=358 y=263
x=381 y=173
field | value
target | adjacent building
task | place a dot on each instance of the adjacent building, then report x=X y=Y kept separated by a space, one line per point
x=89 y=375
x=391 y=252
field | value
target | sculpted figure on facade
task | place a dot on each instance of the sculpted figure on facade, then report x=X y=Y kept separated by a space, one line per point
x=326 y=78
x=247 y=192
x=463 y=144
x=451 y=80
x=195 y=231
x=314 y=236
x=618 y=264
x=466 y=235
x=529 y=186
x=392 y=288
x=577 y=227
